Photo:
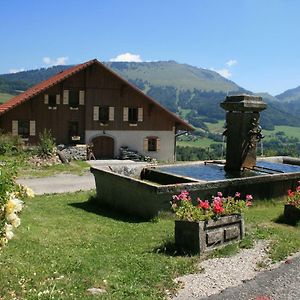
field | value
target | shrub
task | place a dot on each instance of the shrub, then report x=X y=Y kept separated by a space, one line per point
x=46 y=145
x=10 y=143
x=10 y=203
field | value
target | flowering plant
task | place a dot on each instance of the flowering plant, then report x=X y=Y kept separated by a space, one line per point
x=293 y=197
x=10 y=203
x=204 y=210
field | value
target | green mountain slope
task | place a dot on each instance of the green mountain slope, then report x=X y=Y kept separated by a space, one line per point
x=171 y=73
x=290 y=95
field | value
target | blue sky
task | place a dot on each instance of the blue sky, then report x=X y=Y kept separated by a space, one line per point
x=255 y=43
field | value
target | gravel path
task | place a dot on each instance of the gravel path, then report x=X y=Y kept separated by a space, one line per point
x=221 y=273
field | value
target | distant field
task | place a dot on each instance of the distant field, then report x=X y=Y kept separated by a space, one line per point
x=216 y=127
x=4 y=97
x=288 y=130
x=200 y=142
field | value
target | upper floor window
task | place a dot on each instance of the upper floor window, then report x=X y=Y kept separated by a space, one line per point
x=133 y=115
x=104 y=114
x=74 y=99
x=52 y=100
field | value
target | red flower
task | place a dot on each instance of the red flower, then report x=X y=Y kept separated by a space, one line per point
x=248 y=203
x=290 y=193
x=204 y=204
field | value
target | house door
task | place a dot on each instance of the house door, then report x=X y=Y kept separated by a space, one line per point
x=103 y=147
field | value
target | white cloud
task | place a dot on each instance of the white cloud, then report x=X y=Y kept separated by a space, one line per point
x=224 y=72
x=128 y=57
x=55 y=62
x=231 y=62
x=12 y=71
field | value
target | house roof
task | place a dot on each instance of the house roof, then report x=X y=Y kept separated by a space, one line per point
x=44 y=85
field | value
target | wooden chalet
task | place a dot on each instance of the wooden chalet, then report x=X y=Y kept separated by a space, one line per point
x=89 y=103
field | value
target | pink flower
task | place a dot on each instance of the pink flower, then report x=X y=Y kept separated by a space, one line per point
x=298 y=188
x=249 y=197
x=184 y=195
x=290 y=193
x=219 y=194
x=238 y=194
x=204 y=204
x=218 y=199
x=248 y=203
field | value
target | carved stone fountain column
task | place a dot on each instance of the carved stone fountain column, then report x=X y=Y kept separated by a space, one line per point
x=243 y=130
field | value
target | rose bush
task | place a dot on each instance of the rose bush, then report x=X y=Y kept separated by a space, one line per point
x=202 y=210
x=11 y=204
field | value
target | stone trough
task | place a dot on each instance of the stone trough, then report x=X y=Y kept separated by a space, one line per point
x=147 y=191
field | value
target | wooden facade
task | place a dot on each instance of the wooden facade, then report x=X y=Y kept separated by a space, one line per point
x=70 y=102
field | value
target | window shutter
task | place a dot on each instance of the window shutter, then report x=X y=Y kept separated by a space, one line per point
x=140 y=114
x=57 y=99
x=96 y=113
x=81 y=97
x=157 y=144
x=146 y=144
x=46 y=99
x=111 y=113
x=14 y=130
x=66 y=97
x=32 y=128
x=125 y=114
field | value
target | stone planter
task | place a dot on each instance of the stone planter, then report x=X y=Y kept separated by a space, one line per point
x=291 y=214
x=202 y=236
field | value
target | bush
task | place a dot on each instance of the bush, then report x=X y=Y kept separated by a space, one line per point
x=10 y=204
x=46 y=145
x=10 y=143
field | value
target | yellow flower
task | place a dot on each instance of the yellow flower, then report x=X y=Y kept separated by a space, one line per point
x=8 y=231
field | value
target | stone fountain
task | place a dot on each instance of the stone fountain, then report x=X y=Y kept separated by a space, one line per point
x=243 y=131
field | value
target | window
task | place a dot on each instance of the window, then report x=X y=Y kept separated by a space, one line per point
x=152 y=143
x=103 y=114
x=73 y=99
x=52 y=101
x=133 y=115
x=23 y=129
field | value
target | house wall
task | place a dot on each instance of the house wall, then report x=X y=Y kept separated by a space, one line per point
x=135 y=141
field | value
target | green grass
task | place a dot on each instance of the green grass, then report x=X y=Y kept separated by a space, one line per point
x=265 y=221
x=201 y=142
x=76 y=167
x=288 y=130
x=216 y=127
x=4 y=97
x=27 y=170
x=66 y=245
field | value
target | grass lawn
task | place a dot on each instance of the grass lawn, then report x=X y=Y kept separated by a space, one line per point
x=27 y=170
x=66 y=245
